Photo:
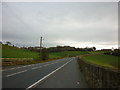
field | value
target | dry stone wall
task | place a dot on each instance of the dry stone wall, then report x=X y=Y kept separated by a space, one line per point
x=99 y=77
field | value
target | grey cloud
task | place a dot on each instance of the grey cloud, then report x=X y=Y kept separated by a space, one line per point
x=73 y=23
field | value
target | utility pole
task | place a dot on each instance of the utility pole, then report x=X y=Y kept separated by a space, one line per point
x=40 y=47
x=43 y=51
x=40 y=43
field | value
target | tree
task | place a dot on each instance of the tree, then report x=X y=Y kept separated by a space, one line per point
x=116 y=52
x=94 y=48
x=44 y=54
x=8 y=43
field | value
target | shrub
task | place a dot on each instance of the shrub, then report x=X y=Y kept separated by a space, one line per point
x=44 y=54
x=107 y=53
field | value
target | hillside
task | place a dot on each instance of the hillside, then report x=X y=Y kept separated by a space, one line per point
x=14 y=52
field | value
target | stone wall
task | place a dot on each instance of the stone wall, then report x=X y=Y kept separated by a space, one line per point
x=99 y=77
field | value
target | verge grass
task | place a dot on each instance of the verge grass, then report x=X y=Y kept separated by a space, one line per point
x=103 y=60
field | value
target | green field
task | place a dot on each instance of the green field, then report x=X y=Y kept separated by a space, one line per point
x=97 y=52
x=66 y=54
x=103 y=60
x=96 y=57
x=14 y=52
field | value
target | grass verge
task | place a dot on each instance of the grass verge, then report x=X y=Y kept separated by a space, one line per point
x=108 y=61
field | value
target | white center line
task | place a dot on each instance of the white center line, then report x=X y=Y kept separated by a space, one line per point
x=36 y=67
x=46 y=65
x=18 y=67
x=24 y=66
x=33 y=85
x=12 y=68
x=15 y=73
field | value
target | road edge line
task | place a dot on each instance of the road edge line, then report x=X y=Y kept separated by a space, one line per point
x=47 y=75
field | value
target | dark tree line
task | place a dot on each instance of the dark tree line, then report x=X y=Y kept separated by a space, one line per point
x=61 y=48
x=116 y=52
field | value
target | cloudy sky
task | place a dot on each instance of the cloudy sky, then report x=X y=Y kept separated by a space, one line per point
x=78 y=24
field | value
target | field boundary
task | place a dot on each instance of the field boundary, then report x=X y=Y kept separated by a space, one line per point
x=98 y=76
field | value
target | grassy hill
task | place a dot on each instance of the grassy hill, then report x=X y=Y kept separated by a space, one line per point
x=96 y=57
x=14 y=52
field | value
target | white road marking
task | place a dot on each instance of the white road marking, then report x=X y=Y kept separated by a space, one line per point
x=15 y=73
x=28 y=65
x=18 y=67
x=47 y=75
x=36 y=67
x=78 y=82
x=24 y=66
x=12 y=68
x=46 y=65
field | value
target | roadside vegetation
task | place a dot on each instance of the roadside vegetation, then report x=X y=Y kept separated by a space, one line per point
x=66 y=54
x=99 y=58
x=97 y=52
x=96 y=57
x=15 y=52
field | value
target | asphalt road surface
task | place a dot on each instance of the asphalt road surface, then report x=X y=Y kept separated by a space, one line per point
x=61 y=73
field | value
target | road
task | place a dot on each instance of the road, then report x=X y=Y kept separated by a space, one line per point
x=62 y=73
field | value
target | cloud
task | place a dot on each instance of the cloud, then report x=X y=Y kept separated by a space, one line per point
x=74 y=24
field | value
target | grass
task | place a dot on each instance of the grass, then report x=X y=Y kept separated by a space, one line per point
x=103 y=60
x=97 y=52
x=66 y=54
x=96 y=57
x=14 y=52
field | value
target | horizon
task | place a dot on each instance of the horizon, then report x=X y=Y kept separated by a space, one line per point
x=58 y=45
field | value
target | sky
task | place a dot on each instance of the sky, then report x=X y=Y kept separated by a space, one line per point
x=78 y=24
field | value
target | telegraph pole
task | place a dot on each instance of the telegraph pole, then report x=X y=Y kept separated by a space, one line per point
x=43 y=51
x=40 y=47
x=40 y=43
